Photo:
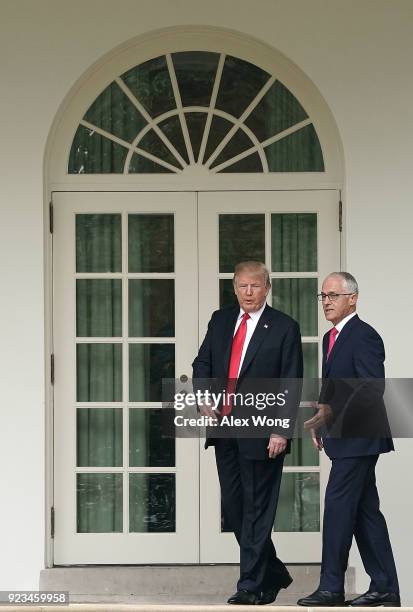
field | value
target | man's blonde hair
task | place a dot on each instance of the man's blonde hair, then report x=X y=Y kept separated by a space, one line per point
x=254 y=267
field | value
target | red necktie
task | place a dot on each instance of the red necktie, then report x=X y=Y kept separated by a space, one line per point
x=236 y=352
x=331 y=340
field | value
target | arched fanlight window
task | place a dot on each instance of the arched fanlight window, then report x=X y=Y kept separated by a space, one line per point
x=195 y=108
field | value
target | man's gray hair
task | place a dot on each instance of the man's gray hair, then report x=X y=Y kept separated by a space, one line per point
x=255 y=267
x=351 y=283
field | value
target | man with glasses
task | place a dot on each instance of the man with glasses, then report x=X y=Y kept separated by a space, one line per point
x=351 y=395
x=243 y=344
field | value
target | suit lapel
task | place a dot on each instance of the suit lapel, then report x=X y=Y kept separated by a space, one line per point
x=228 y=335
x=325 y=349
x=342 y=338
x=261 y=330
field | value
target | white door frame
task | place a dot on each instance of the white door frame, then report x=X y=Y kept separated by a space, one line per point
x=215 y=547
x=120 y=548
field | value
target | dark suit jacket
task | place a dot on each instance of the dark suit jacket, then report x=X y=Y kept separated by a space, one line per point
x=353 y=385
x=274 y=352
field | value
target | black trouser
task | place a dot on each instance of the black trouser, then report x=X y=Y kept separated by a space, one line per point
x=249 y=492
x=352 y=507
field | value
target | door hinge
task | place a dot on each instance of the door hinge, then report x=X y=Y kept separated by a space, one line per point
x=51 y=217
x=340 y=216
x=52 y=368
x=52 y=517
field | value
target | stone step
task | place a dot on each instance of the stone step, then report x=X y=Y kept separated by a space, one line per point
x=175 y=584
x=171 y=608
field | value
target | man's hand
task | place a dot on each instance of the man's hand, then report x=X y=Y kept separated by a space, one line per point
x=317 y=441
x=323 y=415
x=276 y=445
x=206 y=410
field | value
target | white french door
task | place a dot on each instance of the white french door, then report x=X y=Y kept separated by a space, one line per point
x=125 y=317
x=136 y=277
x=296 y=234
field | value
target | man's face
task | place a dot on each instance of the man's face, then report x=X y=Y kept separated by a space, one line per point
x=335 y=311
x=250 y=290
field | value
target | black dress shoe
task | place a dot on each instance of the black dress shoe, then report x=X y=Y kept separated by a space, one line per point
x=270 y=595
x=373 y=598
x=243 y=598
x=322 y=598
x=267 y=597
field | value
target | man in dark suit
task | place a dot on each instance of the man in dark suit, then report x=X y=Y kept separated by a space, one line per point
x=352 y=420
x=244 y=343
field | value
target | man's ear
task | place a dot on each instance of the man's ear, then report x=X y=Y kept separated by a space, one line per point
x=353 y=299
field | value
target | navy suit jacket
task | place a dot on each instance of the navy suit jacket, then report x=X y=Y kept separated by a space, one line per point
x=353 y=385
x=274 y=352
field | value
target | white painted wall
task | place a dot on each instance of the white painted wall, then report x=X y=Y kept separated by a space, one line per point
x=357 y=52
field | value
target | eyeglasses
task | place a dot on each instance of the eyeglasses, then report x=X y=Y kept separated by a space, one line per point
x=333 y=297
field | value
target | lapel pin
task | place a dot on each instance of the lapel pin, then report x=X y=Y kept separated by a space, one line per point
x=266 y=326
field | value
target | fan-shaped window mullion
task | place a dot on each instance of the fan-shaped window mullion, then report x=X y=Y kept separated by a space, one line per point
x=256 y=146
x=179 y=107
x=195 y=72
x=211 y=108
x=241 y=120
x=196 y=127
x=171 y=127
x=98 y=130
x=151 y=122
x=128 y=146
x=155 y=125
x=277 y=111
x=146 y=103
x=140 y=164
x=299 y=151
x=92 y=153
x=251 y=163
x=240 y=83
x=150 y=82
x=262 y=145
x=157 y=160
x=135 y=143
x=287 y=132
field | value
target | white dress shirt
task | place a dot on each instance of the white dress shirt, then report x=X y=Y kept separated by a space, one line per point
x=342 y=323
x=251 y=325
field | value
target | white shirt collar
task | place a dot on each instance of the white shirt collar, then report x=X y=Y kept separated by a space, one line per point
x=254 y=315
x=342 y=323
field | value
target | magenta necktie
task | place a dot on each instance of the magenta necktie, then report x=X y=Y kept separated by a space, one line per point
x=236 y=352
x=331 y=340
